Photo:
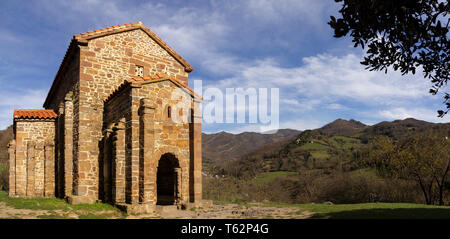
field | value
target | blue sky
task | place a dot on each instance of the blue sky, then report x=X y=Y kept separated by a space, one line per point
x=256 y=43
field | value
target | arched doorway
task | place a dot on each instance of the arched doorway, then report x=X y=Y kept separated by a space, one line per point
x=167 y=180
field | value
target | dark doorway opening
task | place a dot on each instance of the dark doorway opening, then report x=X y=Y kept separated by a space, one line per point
x=106 y=171
x=166 y=181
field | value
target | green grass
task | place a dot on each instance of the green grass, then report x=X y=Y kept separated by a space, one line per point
x=373 y=210
x=320 y=154
x=97 y=210
x=51 y=204
x=366 y=210
x=99 y=216
x=338 y=211
x=3 y=167
x=267 y=177
x=345 y=139
x=315 y=146
x=53 y=216
x=344 y=142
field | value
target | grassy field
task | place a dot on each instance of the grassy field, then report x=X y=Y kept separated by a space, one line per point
x=366 y=210
x=344 y=142
x=373 y=210
x=314 y=146
x=320 y=149
x=57 y=208
x=320 y=154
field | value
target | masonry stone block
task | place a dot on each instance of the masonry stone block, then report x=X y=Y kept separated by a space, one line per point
x=117 y=129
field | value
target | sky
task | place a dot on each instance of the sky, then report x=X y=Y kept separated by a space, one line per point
x=283 y=44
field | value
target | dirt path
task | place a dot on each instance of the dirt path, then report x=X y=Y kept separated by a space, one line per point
x=224 y=211
x=10 y=212
x=7 y=212
x=221 y=211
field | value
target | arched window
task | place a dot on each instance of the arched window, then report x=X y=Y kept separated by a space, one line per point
x=169 y=109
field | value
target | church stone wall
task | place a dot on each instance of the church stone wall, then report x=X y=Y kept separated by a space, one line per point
x=104 y=64
x=170 y=135
x=62 y=101
x=128 y=134
x=140 y=114
x=32 y=157
x=67 y=77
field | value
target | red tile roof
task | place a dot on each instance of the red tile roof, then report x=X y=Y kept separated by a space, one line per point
x=132 y=26
x=107 y=29
x=34 y=114
x=84 y=37
x=151 y=79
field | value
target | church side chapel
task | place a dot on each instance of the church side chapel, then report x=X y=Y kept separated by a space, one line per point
x=119 y=125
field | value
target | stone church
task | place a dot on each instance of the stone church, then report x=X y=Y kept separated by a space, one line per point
x=120 y=125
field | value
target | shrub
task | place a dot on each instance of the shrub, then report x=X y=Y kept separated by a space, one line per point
x=314 y=186
x=4 y=177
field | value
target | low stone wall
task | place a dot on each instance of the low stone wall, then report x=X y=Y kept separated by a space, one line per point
x=32 y=159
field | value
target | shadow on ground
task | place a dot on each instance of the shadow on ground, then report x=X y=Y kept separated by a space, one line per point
x=397 y=213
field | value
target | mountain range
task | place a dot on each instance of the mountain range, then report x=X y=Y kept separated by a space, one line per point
x=225 y=146
x=339 y=137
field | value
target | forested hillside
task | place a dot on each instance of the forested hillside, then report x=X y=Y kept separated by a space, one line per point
x=326 y=164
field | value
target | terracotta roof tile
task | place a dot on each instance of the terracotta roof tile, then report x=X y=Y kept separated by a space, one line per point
x=107 y=29
x=84 y=37
x=34 y=114
x=150 y=78
x=131 y=26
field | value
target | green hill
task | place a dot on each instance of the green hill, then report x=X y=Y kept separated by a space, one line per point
x=316 y=166
x=322 y=148
x=225 y=146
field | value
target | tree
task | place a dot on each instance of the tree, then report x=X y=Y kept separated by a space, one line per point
x=424 y=158
x=403 y=34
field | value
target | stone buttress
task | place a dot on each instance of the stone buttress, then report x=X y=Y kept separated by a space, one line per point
x=106 y=149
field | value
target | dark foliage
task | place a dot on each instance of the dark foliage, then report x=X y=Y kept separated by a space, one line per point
x=4 y=180
x=402 y=34
x=5 y=136
x=322 y=166
x=314 y=187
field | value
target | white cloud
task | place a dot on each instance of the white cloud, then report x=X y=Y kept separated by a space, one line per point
x=267 y=11
x=294 y=105
x=195 y=33
x=335 y=106
x=328 y=78
x=21 y=99
x=298 y=124
x=211 y=36
x=25 y=98
x=9 y=37
x=204 y=33
x=417 y=113
x=322 y=81
x=291 y=102
x=302 y=124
